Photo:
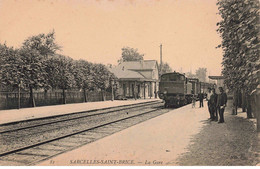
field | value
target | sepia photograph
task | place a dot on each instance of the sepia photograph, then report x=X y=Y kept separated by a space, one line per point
x=129 y=83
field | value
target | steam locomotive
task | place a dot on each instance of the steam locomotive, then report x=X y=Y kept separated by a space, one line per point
x=177 y=90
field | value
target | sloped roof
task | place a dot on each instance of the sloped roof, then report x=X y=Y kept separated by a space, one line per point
x=125 y=74
x=139 y=65
x=216 y=77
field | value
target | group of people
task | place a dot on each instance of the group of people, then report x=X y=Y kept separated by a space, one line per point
x=216 y=104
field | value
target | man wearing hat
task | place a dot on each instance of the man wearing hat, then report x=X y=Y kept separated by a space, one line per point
x=213 y=105
x=222 y=102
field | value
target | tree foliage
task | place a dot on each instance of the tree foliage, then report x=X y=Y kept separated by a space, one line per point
x=44 y=44
x=166 y=68
x=84 y=74
x=37 y=66
x=33 y=74
x=190 y=75
x=130 y=54
x=239 y=29
x=103 y=77
x=60 y=71
x=201 y=74
x=11 y=67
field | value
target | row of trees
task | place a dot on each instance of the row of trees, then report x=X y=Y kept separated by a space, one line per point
x=36 y=65
x=239 y=29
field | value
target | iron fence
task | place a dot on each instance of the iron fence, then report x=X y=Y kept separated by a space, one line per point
x=10 y=100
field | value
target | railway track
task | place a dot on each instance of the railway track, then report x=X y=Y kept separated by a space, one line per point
x=68 y=123
x=31 y=153
x=26 y=124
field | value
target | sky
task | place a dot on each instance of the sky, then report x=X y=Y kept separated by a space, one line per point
x=96 y=30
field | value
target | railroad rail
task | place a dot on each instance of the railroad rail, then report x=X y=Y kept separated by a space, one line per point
x=66 y=117
x=61 y=143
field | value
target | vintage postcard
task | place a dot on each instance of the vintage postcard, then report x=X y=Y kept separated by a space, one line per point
x=129 y=83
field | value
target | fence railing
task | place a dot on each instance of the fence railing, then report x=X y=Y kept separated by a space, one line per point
x=9 y=100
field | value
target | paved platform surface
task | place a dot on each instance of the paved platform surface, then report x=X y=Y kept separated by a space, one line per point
x=157 y=141
x=13 y=115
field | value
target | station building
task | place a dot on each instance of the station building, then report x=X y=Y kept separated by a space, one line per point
x=137 y=79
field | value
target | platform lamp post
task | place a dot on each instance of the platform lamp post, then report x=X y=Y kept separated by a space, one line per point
x=112 y=89
x=19 y=95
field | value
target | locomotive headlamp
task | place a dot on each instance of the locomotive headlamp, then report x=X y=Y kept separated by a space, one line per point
x=165 y=92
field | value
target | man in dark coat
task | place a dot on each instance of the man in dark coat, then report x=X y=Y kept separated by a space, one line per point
x=201 y=97
x=222 y=102
x=213 y=105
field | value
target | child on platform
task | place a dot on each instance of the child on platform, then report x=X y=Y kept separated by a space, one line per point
x=193 y=101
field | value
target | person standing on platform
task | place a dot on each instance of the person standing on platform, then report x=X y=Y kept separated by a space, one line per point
x=208 y=98
x=201 y=97
x=222 y=102
x=193 y=101
x=213 y=105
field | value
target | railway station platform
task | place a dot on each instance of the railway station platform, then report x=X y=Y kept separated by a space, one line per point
x=14 y=115
x=183 y=136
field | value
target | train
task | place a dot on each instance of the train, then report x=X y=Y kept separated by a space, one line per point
x=177 y=90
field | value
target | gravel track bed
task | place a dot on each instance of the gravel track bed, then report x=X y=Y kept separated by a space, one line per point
x=65 y=117
x=50 y=127
x=32 y=136
x=31 y=156
x=226 y=144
